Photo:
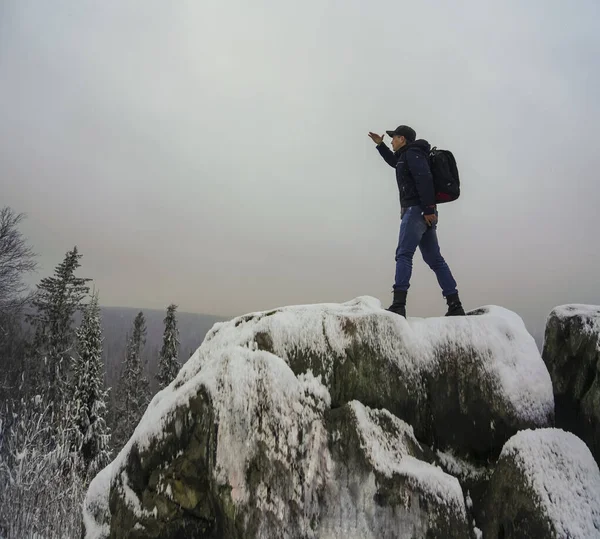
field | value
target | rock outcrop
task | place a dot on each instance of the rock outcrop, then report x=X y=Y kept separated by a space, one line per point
x=326 y=421
x=546 y=484
x=467 y=384
x=572 y=355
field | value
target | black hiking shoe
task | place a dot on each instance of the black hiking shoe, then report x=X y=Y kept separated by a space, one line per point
x=398 y=306
x=455 y=307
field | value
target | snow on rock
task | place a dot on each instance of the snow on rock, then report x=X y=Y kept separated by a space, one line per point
x=382 y=484
x=269 y=425
x=572 y=356
x=393 y=454
x=546 y=484
x=588 y=314
x=461 y=468
x=467 y=382
x=96 y=513
x=240 y=443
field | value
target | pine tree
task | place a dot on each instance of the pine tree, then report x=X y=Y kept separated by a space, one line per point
x=56 y=301
x=168 y=366
x=134 y=390
x=88 y=403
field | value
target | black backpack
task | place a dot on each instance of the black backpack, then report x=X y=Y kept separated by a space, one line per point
x=445 y=175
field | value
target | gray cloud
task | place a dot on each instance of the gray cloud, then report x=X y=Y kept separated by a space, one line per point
x=216 y=154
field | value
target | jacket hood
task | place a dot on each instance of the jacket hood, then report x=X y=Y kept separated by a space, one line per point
x=420 y=144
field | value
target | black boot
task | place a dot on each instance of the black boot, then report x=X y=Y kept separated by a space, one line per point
x=398 y=306
x=455 y=307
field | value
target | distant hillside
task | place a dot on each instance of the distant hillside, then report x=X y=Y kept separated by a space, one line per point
x=118 y=321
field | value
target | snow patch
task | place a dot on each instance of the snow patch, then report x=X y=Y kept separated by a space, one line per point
x=591 y=312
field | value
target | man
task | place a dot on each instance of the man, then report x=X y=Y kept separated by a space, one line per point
x=419 y=216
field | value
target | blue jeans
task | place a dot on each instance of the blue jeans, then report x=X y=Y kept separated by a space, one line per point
x=414 y=233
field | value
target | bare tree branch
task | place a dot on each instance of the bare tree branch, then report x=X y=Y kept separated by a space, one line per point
x=16 y=260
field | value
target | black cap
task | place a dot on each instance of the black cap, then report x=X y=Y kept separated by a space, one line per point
x=403 y=131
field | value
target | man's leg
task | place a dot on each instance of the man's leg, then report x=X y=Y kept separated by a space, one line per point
x=430 y=249
x=412 y=229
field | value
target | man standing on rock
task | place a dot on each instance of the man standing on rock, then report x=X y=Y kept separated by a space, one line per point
x=419 y=216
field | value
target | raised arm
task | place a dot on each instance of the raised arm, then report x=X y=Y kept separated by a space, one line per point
x=390 y=157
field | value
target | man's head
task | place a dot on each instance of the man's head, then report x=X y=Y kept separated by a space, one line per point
x=401 y=136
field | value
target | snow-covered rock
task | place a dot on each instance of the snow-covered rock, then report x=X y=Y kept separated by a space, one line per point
x=467 y=383
x=295 y=423
x=572 y=355
x=546 y=484
x=383 y=484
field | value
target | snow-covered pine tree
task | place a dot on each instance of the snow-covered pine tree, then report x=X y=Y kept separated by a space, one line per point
x=168 y=366
x=89 y=396
x=56 y=301
x=133 y=394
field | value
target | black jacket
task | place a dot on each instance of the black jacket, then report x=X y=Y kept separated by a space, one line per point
x=413 y=175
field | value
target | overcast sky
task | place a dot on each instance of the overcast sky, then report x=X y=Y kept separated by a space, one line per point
x=215 y=153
